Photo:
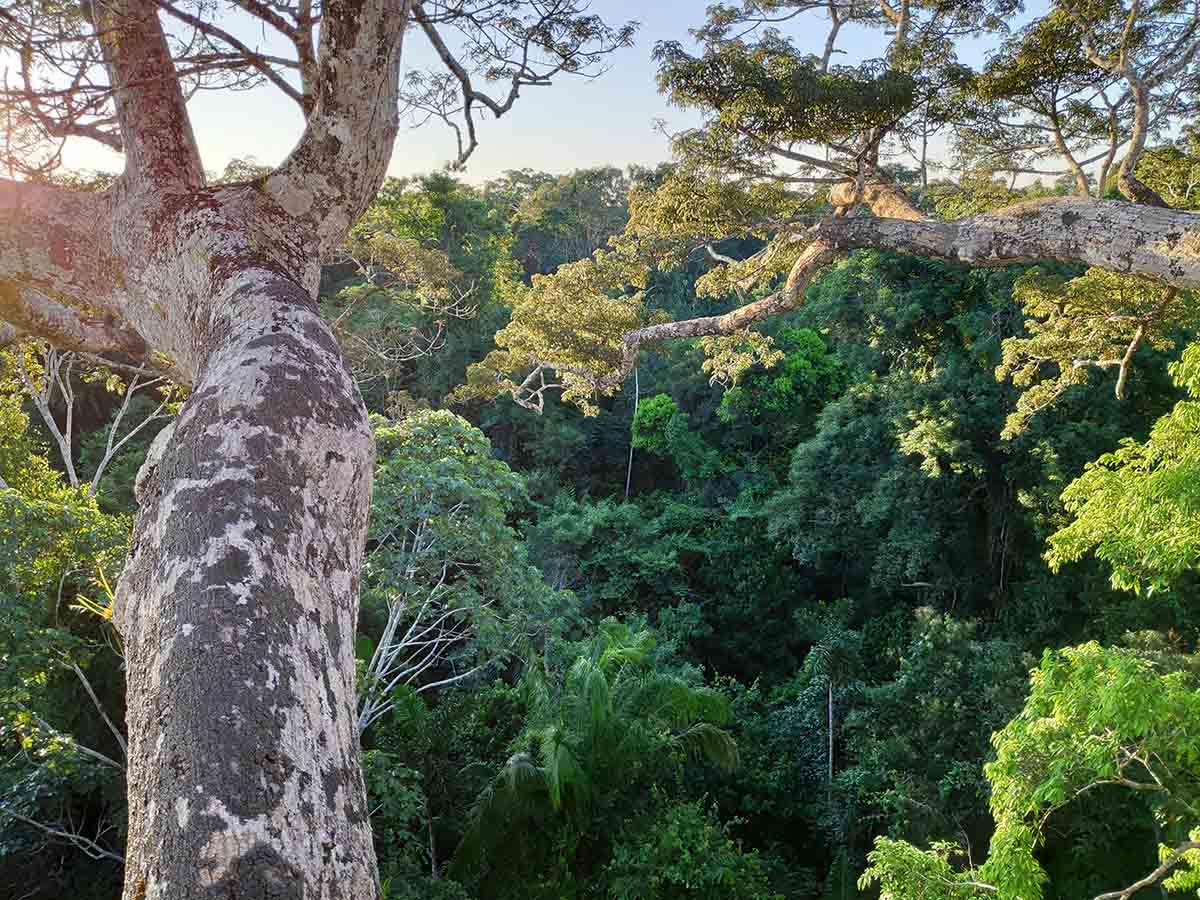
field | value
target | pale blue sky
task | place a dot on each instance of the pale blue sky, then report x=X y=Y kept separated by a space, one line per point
x=573 y=124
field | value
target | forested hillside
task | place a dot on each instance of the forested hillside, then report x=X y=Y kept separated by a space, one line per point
x=740 y=640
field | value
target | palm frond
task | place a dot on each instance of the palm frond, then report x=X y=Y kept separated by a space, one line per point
x=709 y=742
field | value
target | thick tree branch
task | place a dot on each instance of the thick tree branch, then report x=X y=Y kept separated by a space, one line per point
x=1122 y=237
x=57 y=241
x=340 y=161
x=156 y=132
x=32 y=312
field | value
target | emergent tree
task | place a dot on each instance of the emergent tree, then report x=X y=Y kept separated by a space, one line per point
x=238 y=604
x=801 y=154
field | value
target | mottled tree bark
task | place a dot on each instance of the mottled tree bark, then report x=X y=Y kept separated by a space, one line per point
x=238 y=604
x=238 y=608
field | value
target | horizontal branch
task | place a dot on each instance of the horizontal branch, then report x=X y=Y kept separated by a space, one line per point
x=57 y=241
x=1163 y=244
x=33 y=313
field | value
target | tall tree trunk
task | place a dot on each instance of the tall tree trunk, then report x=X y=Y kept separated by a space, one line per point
x=829 y=694
x=1127 y=180
x=239 y=601
x=238 y=607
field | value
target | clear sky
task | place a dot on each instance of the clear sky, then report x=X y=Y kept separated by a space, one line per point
x=572 y=124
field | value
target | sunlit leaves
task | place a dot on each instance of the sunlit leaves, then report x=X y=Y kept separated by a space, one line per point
x=1124 y=718
x=573 y=322
x=662 y=428
x=1128 y=717
x=1173 y=174
x=774 y=92
x=1187 y=876
x=730 y=356
x=669 y=220
x=903 y=872
x=1138 y=508
x=1077 y=324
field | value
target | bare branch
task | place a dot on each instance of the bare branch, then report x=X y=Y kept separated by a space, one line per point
x=41 y=394
x=111 y=448
x=258 y=61
x=87 y=686
x=87 y=845
x=1154 y=877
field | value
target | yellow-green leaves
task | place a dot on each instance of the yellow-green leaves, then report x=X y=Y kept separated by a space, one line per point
x=904 y=872
x=1095 y=321
x=688 y=209
x=1138 y=508
x=408 y=264
x=728 y=357
x=568 y=330
x=573 y=322
x=1187 y=873
x=1125 y=717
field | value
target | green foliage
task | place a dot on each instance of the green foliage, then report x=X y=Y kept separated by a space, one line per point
x=423 y=887
x=1077 y=324
x=662 y=429
x=560 y=220
x=398 y=816
x=1128 y=717
x=55 y=541
x=424 y=274
x=902 y=872
x=1173 y=172
x=852 y=449
x=682 y=852
x=1097 y=719
x=805 y=378
x=865 y=493
x=52 y=532
x=434 y=756
x=922 y=772
x=574 y=322
x=601 y=732
x=443 y=558
x=654 y=417
x=1138 y=508
x=780 y=95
